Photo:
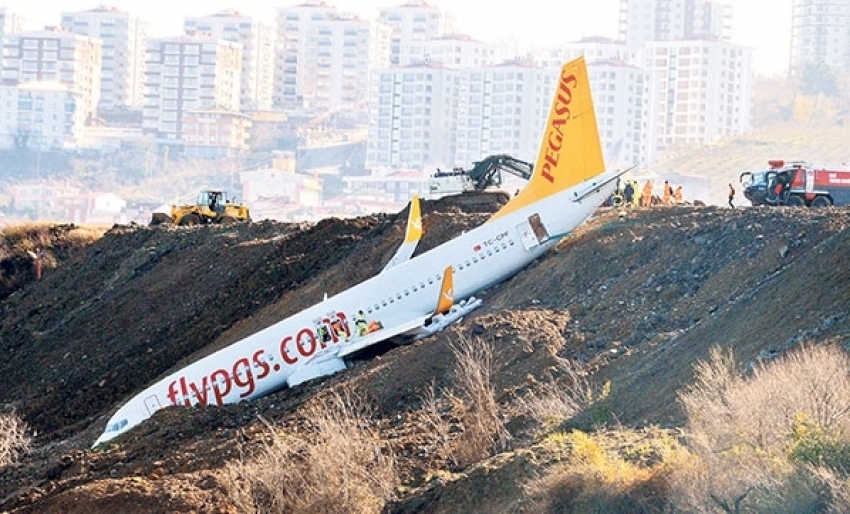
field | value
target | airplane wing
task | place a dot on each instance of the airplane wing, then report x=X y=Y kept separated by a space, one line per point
x=411 y=237
x=332 y=360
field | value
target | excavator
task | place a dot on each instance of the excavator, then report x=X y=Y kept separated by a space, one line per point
x=481 y=183
x=210 y=207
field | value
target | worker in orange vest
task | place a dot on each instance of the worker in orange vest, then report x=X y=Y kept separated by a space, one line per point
x=646 y=196
x=666 y=194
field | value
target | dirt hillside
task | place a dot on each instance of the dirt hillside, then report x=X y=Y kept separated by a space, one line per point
x=636 y=297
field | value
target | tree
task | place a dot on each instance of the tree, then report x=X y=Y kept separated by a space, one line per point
x=818 y=78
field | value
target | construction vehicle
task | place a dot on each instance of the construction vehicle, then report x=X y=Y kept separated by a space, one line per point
x=797 y=184
x=210 y=207
x=479 y=183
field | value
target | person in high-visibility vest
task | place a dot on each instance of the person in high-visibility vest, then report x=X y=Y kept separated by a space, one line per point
x=665 y=195
x=646 y=197
x=360 y=323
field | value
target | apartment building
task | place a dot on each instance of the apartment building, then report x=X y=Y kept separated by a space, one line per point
x=215 y=132
x=621 y=89
x=454 y=51
x=412 y=117
x=40 y=115
x=10 y=22
x=501 y=109
x=323 y=58
x=258 y=47
x=188 y=73
x=411 y=23
x=820 y=34
x=427 y=116
x=123 y=39
x=701 y=91
x=642 y=21
x=56 y=55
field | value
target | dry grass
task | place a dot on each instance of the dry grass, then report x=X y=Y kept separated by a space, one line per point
x=596 y=479
x=475 y=404
x=14 y=440
x=344 y=466
x=465 y=422
x=740 y=429
x=568 y=398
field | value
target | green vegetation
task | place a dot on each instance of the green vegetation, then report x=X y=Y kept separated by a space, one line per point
x=772 y=440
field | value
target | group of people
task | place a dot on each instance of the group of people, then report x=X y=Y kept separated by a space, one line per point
x=629 y=194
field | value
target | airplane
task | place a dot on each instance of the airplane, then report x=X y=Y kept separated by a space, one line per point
x=412 y=297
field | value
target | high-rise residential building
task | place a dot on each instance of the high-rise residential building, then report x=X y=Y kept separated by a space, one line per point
x=427 y=116
x=258 y=46
x=501 y=109
x=10 y=22
x=188 y=73
x=820 y=34
x=412 y=117
x=700 y=91
x=123 y=36
x=323 y=58
x=55 y=55
x=642 y=21
x=40 y=115
x=454 y=51
x=621 y=95
x=412 y=22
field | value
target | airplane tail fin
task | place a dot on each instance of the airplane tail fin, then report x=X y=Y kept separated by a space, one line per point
x=570 y=152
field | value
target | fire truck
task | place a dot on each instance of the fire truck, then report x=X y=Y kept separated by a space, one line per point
x=797 y=184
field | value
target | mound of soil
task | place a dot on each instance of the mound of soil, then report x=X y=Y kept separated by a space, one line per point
x=636 y=297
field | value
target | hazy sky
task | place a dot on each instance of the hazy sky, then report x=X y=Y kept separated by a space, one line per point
x=763 y=25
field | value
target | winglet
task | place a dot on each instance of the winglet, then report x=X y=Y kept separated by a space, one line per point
x=570 y=152
x=447 y=292
x=412 y=235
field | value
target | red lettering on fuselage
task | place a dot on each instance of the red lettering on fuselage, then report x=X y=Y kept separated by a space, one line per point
x=555 y=131
x=242 y=376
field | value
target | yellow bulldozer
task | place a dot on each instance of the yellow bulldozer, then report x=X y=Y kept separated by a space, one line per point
x=210 y=207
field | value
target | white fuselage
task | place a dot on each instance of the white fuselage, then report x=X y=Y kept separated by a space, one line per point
x=262 y=362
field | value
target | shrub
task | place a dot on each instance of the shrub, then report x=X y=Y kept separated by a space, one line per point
x=818 y=446
x=568 y=399
x=741 y=430
x=593 y=479
x=343 y=466
x=14 y=440
x=484 y=431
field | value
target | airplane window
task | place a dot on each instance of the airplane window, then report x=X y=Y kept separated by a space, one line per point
x=415 y=288
x=511 y=242
x=504 y=245
x=384 y=303
x=422 y=285
x=460 y=267
x=430 y=280
x=406 y=292
x=392 y=300
x=490 y=252
x=398 y=296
